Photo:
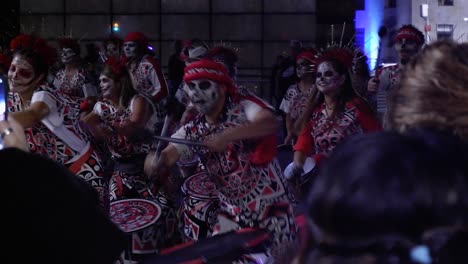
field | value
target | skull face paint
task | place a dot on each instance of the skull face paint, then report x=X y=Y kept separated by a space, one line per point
x=203 y=94
x=20 y=75
x=112 y=50
x=108 y=87
x=67 y=55
x=328 y=80
x=130 y=49
x=406 y=49
x=303 y=67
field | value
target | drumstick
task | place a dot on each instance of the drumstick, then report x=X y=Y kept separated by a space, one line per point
x=180 y=141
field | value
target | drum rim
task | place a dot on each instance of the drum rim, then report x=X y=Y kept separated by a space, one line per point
x=139 y=200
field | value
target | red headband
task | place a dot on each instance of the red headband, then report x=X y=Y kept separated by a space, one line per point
x=307 y=55
x=409 y=33
x=211 y=70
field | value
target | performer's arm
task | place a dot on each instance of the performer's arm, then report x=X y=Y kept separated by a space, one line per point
x=34 y=114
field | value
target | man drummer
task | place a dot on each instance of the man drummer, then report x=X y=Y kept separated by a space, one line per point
x=239 y=154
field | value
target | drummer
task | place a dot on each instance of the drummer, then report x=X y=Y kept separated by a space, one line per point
x=239 y=154
x=333 y=113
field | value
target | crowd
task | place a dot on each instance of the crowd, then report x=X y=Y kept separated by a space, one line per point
x=388 y=181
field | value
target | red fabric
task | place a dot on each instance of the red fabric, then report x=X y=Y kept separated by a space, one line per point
x=343 y=55
x=366 y=117
x=163 y=92
x=265 y=151
x=407 y=32
x=46 y=53
x=308 y=55
x=117 y=66
x=137 y=37
x=85 y=106
x=305 y=141
x=205 y=69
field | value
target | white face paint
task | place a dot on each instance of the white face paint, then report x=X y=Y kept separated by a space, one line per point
x=130 y=49
x=303 y=67
x=203 y=94
x=406 y=48
x=67 y=55
x=20 y=75
x=112 y=50
x=328 y=80
x=108 y=87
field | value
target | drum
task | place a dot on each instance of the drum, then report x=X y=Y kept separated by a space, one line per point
x=150 y=224
x=132 y=215
x=200 y=207
x=244 y=244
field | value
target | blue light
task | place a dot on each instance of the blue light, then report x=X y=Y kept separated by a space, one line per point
x=371 y=19
x=115 y=29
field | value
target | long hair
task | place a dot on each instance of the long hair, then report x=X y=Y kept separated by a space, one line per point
x=346 y=93
x=433 y=90
x=123 y=79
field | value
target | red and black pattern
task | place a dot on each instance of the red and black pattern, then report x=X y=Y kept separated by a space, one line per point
x=72 y=86
x=247 y=192
x=43 y=141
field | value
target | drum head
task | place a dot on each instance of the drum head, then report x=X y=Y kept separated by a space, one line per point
x=200 y=186
x=132 y=215
x=309 y=165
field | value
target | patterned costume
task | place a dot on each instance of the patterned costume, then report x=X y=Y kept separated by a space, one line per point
x=129 y=181
x=60 y=137
x=77 y=86
x=251 y=192
x=295 y=101
x=149 y=81
x=322 y=134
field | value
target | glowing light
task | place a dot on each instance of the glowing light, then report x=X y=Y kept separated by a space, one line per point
x=150 y=48
x=370 y=20
x=115 y=27
x=465 y=19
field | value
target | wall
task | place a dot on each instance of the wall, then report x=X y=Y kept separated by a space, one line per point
x=260 y=29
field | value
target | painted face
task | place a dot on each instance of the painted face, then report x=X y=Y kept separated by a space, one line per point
x=67 y=55
x=20 y=75
x=130 y=49
x=203 y=94
x=112 y=50
x=303 y=67
x=328 y=80
x=406 y=48
x=107 y=85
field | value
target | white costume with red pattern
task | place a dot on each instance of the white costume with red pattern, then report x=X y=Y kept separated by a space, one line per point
x=149 y=81
x=79 y=85
x=295 y=101
x=251 y=195
x=60 y=137
x=323 y=134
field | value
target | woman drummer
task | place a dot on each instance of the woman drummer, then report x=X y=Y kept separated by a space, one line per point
x=334 y=111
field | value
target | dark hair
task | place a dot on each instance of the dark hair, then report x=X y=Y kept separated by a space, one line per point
x=380 y=192
x=345 y=95
x=127 y=91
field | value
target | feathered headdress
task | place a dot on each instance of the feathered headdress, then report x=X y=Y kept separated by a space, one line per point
x=117 y=66
x=39 y=46
x=69 y=43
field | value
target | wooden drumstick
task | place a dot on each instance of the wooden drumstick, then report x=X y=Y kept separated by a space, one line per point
x=180 y=141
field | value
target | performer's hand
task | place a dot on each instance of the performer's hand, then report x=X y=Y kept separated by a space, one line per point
x=288 y=139
x=217 y=143
x=12 y=134
x=155 y=169
x=373 y=84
